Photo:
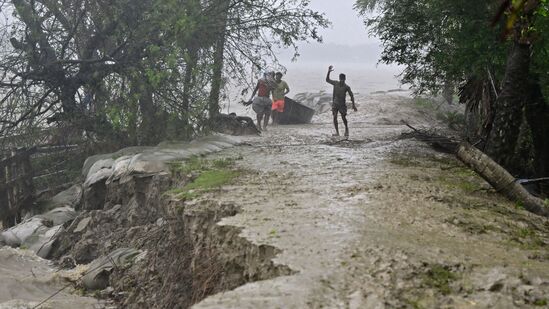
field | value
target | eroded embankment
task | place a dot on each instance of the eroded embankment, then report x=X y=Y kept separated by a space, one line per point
x=140 y=232
x=184 y=255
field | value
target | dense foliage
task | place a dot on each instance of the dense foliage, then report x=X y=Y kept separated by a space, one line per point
x=134 y=72
x=436 y=40
x=494 y=51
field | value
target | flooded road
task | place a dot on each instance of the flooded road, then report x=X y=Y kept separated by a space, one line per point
x=378 y=221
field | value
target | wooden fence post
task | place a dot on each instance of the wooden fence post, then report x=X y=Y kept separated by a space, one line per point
x=4 y=204
x=16 y=186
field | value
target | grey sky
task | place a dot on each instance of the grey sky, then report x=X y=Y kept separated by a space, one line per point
x=347 y=46
x=347 y=27
x=346 y=40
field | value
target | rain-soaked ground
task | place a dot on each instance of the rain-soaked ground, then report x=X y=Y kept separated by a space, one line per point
x=380 y=222
x=376 y=221
x=27 y=281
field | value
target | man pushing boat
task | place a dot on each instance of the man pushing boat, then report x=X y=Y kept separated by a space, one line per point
x=262 y=104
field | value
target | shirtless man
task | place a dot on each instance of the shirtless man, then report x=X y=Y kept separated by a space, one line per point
x=339 y=104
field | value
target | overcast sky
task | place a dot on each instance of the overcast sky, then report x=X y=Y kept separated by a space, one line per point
x=347 y=27
x=358 y=57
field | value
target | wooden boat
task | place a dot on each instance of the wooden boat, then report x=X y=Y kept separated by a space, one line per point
x=295 y=113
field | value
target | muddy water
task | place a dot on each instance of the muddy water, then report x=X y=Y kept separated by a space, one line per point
x=298 y=201
x=380 y=222
x=26 y=280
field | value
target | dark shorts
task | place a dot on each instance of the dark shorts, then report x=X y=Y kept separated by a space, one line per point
x=339 y=108
x=262 y=105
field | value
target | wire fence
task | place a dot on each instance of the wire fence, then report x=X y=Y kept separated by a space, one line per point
x=28 y=173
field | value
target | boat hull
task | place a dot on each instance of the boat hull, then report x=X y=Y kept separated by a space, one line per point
x=295 y=113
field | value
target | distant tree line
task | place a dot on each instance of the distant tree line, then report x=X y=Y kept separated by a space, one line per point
x=134 y=72
x=495 y=52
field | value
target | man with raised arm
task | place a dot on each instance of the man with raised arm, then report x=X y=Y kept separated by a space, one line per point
x=339 y=104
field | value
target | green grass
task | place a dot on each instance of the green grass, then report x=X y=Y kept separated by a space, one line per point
x=526 y=233
x=519 y=205
x=194 y=163
x=403 y=161
x=540 y=302
x=198 y=164
x=454 y=120
x=446 y=160
x=223 y=163
x=465 y=185
x=465 y=172
x=439 y=277
x=424 y=103
x=116 y=156
x=212 y=179
x=415 y=304
x=212 y=175
x=468 y=186
x=527 y=238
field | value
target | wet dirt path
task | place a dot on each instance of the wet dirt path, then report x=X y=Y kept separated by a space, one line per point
x=28 y=280
x=363 y=225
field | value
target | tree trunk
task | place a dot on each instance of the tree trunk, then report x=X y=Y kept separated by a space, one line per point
x=188 y=79
x=448 y=92
x=219 y=49
x=68 y=100
x=509 y=108
x=537 y=115
x=148 y=127
x=500 y=179
x=188 y=82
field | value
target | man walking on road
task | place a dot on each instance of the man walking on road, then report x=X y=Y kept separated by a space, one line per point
x=262 y=104
x=339 y=104
x=279 y=94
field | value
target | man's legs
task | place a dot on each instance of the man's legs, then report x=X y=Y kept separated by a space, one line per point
x=277 y=110
x=259 y=118
x=267 y=115
x=334 y=112
x=344 y=117
x=274 y=117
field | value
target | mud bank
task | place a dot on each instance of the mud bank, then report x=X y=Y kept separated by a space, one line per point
x=186 y=256
x=138 y=236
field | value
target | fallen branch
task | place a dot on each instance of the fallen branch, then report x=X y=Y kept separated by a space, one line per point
x=439 y=142
x=500 y=179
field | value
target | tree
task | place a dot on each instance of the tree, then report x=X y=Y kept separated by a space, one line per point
x=253 y=29
x=521 y=92
x=135 y=72
x=441 y=40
